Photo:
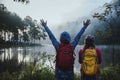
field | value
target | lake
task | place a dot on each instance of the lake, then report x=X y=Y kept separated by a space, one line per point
x=35 y=52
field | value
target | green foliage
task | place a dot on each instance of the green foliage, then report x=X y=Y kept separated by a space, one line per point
x=76 y=76
x=6 y=76
x=109 y=19
x=35 y=31
x=47 y=74
x=110 y=73
x=41 y=72
x=30 y=72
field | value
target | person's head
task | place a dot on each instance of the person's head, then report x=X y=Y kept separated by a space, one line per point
x=65 y=37
x=89 y=42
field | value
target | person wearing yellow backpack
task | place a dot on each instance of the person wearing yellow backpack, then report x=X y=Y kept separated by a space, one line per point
x=90 y=58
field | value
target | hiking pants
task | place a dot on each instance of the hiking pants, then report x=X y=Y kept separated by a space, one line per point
x=64 y=75
x=85 y=77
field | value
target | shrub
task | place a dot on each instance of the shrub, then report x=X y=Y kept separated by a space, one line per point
x=110 y=73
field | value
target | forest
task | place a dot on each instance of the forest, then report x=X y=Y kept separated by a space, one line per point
x=14 y=30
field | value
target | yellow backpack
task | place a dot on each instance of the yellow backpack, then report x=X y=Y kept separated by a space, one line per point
x=89 y=63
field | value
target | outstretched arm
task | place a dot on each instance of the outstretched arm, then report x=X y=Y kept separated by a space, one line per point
x=50 y=34
x=76 y=39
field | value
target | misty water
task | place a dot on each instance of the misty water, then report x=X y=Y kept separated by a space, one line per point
x=35 y=52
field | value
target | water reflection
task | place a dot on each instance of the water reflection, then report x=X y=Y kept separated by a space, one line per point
x=35 y=53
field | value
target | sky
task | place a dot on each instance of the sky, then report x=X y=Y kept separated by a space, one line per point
x=55 y=12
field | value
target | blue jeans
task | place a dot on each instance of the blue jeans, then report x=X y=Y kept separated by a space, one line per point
x=85 y=77
x=67 y=75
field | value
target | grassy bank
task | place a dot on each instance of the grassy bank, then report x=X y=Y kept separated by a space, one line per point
x=31 y=72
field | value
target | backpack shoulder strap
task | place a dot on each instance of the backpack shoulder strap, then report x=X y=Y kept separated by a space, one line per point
x=80 y=55
x=97 y=55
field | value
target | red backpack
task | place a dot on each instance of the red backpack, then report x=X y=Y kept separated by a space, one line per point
x=65 y=56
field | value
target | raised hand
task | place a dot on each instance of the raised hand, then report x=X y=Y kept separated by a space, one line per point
x=43 y=23
x=87 y=22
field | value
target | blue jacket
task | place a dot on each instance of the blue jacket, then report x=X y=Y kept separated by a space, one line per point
x=64 y=37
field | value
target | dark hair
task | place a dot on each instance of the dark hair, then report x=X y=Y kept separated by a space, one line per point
x=89 y=42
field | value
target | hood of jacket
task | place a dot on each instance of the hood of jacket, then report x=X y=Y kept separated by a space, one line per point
x=65 y=37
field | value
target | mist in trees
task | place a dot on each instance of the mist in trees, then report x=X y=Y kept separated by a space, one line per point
x=105 y=21
x=110 y=19
x=15 y=29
